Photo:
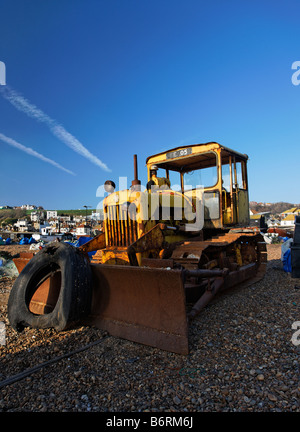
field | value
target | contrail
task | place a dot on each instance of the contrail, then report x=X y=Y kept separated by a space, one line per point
x=32 y=152
x=58 y=131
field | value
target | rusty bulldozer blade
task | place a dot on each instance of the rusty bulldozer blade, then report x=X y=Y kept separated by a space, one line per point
x=141 y=304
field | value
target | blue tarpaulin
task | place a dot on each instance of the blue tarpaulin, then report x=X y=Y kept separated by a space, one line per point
x=287 y=264
x=83 y=240
x=23 y=241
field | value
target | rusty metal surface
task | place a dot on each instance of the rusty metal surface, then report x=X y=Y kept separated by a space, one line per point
x=45 y=297
x=208 y=295
x=157 y=263
x=20 y=263
x=22 y=260
x=27 y=255
x=121 y=229
x=246 y=264
x=142 y=305
x=111 y=256
x=136 y=183
x=94 y=244
x=152 y=240
x=203 y=273
x=189 y=253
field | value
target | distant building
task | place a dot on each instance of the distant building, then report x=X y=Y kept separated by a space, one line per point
x=51 y=214
x=259 y=219
x=64 y=218
x=255 y=219
x=289 y=220
x=36 y=216
x=45 y=224
x=22 y=225
x=78 y=219
x=97 y=216
x=28 y=207
x=82 y=230
x=294 y=211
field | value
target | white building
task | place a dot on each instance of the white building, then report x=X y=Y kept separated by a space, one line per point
x=22 y=225
x=289 y=220
x=36 y=216
x=51 y=214
x=78 y=219
x=28 y=207
x=97 y=216
x=82 y=230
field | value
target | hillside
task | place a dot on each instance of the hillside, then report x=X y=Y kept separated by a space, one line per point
x=273 y=208
x=11 y=216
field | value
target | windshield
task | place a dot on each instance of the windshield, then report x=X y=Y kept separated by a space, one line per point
x=201 y=178
x=199 y=171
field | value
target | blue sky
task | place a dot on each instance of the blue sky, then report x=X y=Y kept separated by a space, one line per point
x=89 y=83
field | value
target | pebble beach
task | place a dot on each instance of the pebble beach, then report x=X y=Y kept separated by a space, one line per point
x=242 y=359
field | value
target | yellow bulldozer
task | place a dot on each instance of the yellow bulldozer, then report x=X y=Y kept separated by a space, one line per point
x=166 y=250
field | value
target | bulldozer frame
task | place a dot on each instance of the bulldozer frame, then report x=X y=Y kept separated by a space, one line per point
x=152 y=274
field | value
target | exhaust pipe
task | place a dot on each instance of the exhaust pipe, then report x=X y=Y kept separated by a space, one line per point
x=136 y=183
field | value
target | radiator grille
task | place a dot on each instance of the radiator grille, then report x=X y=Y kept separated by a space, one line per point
x=121 y=228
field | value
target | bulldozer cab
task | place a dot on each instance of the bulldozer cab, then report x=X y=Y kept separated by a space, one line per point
x=220 y=172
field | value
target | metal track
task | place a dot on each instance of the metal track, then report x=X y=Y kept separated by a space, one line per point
x=213 y=253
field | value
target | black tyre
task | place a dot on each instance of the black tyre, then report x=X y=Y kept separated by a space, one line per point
x=75 y=291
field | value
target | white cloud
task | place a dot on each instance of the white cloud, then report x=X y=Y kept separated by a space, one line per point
x=32 y=152
x=57 y=130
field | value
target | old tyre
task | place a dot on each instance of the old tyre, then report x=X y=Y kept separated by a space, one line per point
x=74 y=293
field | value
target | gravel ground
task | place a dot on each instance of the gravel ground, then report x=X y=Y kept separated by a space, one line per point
x=241 y=359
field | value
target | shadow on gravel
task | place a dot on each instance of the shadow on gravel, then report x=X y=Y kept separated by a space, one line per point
x=33 y=347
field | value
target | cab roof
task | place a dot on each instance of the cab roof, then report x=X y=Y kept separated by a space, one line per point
x=193 y=156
